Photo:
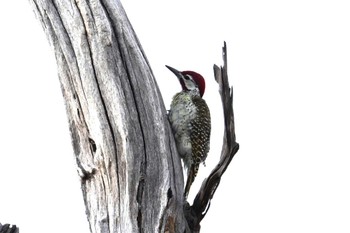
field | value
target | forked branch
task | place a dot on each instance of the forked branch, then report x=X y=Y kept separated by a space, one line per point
x=196 y=212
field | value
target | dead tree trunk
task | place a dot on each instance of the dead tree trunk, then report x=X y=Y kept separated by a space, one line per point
x=131 y=175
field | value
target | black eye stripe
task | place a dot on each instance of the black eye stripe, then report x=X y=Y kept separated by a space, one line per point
x=187 y=77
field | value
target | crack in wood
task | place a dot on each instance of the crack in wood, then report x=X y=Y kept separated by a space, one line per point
x=139 y=201
x=92 y=145
x=169 y=194
x=84 y=174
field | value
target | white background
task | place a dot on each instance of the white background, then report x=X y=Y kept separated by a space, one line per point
x=289 y=63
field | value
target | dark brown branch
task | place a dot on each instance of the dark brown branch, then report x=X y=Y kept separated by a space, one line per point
x=201 y=203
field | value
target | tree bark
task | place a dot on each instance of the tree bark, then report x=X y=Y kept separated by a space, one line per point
x=131 y=176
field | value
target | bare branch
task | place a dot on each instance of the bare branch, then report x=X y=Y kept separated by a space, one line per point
x=196 y=212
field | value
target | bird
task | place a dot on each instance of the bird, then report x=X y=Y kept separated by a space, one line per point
x=189 y=117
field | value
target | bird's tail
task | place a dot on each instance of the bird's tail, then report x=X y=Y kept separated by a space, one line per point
x=191 y=174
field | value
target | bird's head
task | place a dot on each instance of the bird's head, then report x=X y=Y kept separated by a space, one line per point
x=189 y=80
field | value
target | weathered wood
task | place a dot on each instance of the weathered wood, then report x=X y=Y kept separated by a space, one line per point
x=196 y=212
x=131 y=176
x=6 y=228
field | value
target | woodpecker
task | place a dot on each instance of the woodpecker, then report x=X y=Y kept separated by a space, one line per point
x=189 y=117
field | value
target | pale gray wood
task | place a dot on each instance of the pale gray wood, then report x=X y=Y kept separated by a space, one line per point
x=131 y=176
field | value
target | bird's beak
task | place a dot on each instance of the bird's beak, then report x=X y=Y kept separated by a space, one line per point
x=175 y=71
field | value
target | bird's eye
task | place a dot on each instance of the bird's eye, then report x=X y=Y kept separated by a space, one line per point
x=187 y=77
